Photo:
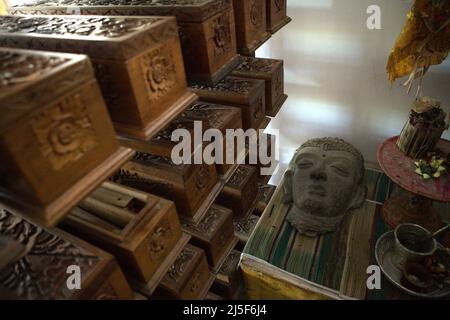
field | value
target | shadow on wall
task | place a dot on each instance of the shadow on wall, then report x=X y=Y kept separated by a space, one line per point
x=335 y=75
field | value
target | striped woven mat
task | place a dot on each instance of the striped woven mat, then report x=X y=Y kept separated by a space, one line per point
x=336 y=261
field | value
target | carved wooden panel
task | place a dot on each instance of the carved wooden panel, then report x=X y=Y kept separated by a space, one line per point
x=19 y=68
x=41 y=273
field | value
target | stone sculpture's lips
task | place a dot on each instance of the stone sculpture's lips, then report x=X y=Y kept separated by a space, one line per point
x=317 y=190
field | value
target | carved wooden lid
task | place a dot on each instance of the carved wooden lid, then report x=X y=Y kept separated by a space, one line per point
x=210 y=224
x=230 y=266
x=245 y=226
x=184 y=10
x=257 y=65
x=27 y=74
x=41 y=272
x=217 y=116
x=232 y=89
x=182 y=269
x=240 y=177
x=265 y=192
x=118 y=38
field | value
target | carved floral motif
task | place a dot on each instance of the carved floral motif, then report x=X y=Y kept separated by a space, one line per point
x=202 y=178
x=159 y=72
x=256 y=13
x=222 y=34
x=159 y=240
x=176 y=271
x=64 y=131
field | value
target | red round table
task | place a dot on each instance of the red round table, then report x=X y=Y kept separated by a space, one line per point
x=415 y=206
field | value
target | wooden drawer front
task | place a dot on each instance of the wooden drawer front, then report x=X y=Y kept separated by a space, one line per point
x=197 y=282
x=220 y=39
x=221 y=241
x=199 y=185
x=61 y=142
x=158 y=244
x=158 y=78
x=250 y=23
x=277 y=12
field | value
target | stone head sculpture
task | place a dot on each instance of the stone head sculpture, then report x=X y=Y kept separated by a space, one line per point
x=323 y=183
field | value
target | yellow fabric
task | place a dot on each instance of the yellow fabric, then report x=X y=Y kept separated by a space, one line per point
x=424 y=41
x=2 y=7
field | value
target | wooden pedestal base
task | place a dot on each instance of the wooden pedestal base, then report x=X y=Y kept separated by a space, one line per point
x=153 y=127
x=264 y=123
x=276 y=108
x=280 y=25
x=51 y=214
x=148 y=288
x=250 y=51
x=219 y=75
x=410 y=208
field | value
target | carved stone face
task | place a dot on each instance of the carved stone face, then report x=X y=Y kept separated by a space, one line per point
x=323 y=183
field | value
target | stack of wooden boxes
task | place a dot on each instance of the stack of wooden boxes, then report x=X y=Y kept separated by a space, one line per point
x=89 y=104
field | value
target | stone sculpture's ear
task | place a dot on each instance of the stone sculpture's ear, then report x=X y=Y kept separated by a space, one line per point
x=287 y=186
x=359 y=197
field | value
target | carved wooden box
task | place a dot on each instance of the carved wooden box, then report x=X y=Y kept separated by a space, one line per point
x=42 y=272
x=139 y=229
x=188 y=278
x=214 y=234
x=137 y=61
x=191 y=187
x=207 y=28
x=247 y=94
x=251 y=25
x=217 y=117
x=228 y=278
x=272 y=72
x=265 y=193
x=276 y=15
x=57 y=140
x=240 y=192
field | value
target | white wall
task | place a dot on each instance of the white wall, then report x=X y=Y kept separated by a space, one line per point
x=335 y=75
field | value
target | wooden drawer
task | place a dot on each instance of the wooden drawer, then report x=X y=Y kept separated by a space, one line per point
x=191 y=187
x=240 y=192
x=219 y=117
x=276 y=15
x=247 y=94
x=229 y=277
x=57 y=140
x=272 y=72
x=188 y=278
x=251 y=25
x=214 y=234
x=139 y=229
